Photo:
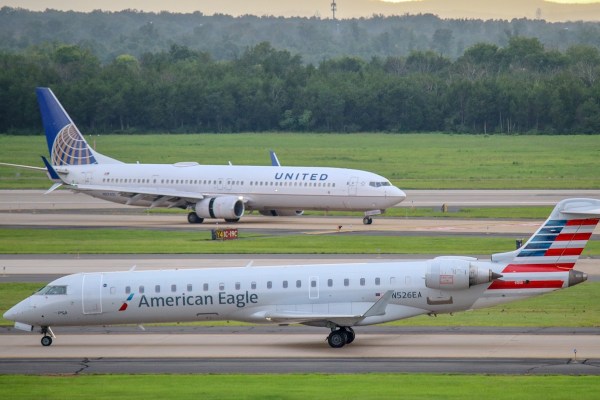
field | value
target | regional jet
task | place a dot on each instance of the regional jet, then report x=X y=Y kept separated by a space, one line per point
x=207 y=191
x=338 y=297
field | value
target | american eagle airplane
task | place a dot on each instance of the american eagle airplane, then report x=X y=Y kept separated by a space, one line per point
x=337 y=297
x=208 y=191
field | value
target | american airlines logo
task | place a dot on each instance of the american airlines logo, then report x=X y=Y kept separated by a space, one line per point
x=125 y=303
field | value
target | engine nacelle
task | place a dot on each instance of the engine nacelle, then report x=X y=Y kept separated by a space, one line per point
x=457 y=274
x=281 y=213
x=227 y=207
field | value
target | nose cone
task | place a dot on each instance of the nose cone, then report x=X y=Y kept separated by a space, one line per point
x=397 y=195
x=11 y=314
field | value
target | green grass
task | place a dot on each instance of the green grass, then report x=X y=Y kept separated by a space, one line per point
x=578 y=306
x=301 y=386
x=411 y=161
x=124 y=241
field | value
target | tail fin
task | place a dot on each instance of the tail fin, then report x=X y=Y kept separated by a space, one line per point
x=558 y=243
x=65 y=143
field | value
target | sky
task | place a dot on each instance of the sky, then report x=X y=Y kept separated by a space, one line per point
x=484 y=9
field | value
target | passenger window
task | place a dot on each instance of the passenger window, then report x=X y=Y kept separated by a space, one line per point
x=189 y=287
x=330 y=282
x=205 y=287
x=298 y=283
x=141 y=289
x=285 y=284
x=157 y=289
x=346 y=282
x=313 y=283
x=269 y=284
x=253 y=285
x=173 y=288
x=127 y=289
x=221 y=286
x=362 y=281
x=377 y=281
x=237 y=286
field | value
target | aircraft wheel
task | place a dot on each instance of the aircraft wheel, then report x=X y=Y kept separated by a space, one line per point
x=46 y=341
x=349 y=334
x=232 y=220
x=367 y=220
x=337 y=339
x=193 y=218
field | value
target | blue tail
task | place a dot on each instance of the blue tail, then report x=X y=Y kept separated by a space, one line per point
x=65 y=143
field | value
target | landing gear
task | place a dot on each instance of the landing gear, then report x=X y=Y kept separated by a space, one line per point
x=193 y=218
x=340 y=337
x=48 y=335
x=367 y=220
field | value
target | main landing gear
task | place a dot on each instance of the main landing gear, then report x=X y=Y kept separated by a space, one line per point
x=193 y=218
x=48 y=335
x=367 y=220
x=340 y=337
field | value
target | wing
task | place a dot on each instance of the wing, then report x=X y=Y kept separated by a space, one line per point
x=143 y=196
x=288 y=317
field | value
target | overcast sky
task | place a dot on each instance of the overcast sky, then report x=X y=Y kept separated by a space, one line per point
x=484 y=9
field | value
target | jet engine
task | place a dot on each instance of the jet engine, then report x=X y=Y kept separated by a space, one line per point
x=281 y=213
x=227 y=207
x=457 y=274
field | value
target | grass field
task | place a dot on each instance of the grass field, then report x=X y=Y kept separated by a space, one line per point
x=410 y=161
x=123 y=241
x=300 y=386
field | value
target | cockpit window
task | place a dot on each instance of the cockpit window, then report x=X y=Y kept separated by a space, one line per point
x=52 y=290
x=379 y=184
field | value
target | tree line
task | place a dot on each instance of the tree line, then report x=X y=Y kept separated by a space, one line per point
x=519 y=88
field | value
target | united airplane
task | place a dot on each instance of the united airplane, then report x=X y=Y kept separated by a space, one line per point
x=207 y=191
x=338 y=297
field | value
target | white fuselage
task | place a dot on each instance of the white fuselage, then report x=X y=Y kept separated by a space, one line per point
x=275 y=294
x=261 y=187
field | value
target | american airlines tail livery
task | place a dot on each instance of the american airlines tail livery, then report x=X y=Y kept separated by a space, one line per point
x=208 y=191
x=337 y=297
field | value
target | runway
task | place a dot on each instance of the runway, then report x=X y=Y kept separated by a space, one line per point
x=15 y=200
x=289 y=349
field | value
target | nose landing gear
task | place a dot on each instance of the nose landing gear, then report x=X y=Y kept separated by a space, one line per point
x=48 y=336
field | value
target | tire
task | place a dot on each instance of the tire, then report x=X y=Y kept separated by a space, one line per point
x=337 y=339
x=193 y=218
x=46 y=341
x=367 y=220
x=349 y=335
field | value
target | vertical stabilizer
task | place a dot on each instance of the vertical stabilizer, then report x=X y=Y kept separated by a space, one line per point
x=65 y=143
x=558 y=243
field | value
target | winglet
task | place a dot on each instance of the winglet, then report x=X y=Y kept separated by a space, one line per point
x=274 y=160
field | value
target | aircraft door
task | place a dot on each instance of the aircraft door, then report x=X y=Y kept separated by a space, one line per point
x=91 y=293
x=313 y=287
x=352 y=186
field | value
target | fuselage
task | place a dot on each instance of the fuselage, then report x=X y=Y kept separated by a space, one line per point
x=261 y=187
x=276 y=294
